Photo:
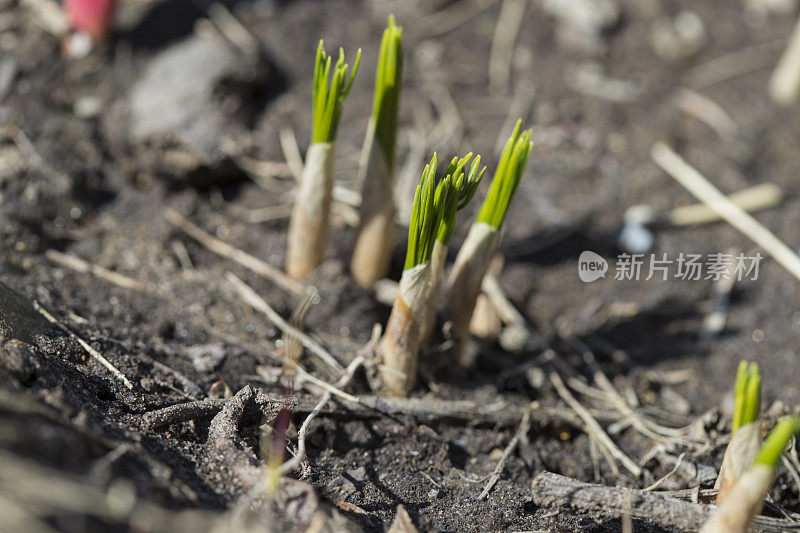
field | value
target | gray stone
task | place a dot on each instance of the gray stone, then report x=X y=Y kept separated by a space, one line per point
x=188 y=104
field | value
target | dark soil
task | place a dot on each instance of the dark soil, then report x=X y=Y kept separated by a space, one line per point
x=82 y=183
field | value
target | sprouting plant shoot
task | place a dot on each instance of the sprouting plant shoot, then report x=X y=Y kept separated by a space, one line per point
x=465 y=183
x=329 y=92
x=374 y=243
x=472 y=262
x=747 y=395
x=433 y=203
x=424 y=219
x=746 y=498
x=308 y=228
x=388 y=78
x=512 y=165
x=746 y=438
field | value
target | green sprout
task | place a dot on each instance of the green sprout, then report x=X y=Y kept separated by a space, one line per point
x=426 y=214
x=465 y=183
x=747 y=395
x=509 y=171
x=776 y=442
x=387 y=88
x=327 y=103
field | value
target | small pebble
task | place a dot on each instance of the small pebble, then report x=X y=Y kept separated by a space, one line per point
x=678 y=38
x=87 y=107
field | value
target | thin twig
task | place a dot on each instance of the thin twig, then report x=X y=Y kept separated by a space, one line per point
x=224 y=249
x=648 y=429
x=505 y=34
x=524 y=426
x=520 y=106
x=661 y=481
x=324 y=385
x=733 y=64
x=455 y=15
x=79 y=265
x=784 y=84
x=300 y=454
x=593 y=426
x=35 y=159
x=699 y=186
x=751 y=199
x=259 y=304
x=409 y=175
x=263 y=173
x=261 y=214
x=183 y=256
x=450 y=127
x=48 y=15
x=707 y=111
x=232 y=28
x=85 y=345
x=291 y=151
x=664 y=509
x=494 y=291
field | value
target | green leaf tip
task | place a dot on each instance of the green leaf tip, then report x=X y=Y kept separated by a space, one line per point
x=388 y=80
x=465 y=183
x=747 y=395
x=509 y=171
x=433 y=213
x=424 y=223
x=776 y=442
x=330 y=89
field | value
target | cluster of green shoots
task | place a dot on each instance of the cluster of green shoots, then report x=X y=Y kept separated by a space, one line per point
x=465 y=183
x=748 y=468
x=747 y=395
x=388 y=77
x=747 y=410
x=329 y=92
x=433 y=213
x=425 y=217
x=509 y=171
x=434 y=210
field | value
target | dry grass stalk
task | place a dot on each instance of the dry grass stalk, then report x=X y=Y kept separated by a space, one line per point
x=784 y=85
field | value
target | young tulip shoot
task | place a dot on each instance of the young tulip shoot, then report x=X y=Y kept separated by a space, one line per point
x=308 y=228
x=744 y=501
x=472 y=262
x=746 y=439
x=374 y=243
x=400 y=344
x=465 y=183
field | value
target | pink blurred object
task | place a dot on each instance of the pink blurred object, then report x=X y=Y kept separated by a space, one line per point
x=93 y=17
